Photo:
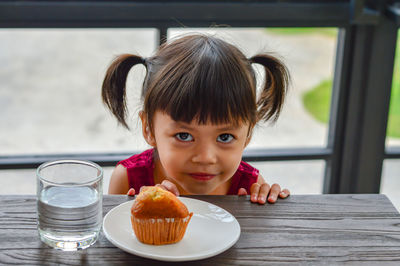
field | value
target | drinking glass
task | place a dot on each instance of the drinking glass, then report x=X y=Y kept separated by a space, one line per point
x=69 y=203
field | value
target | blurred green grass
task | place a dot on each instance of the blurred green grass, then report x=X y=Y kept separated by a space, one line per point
x=393 y=129
x=328 y=32
x=317 y=100
x=317 y=103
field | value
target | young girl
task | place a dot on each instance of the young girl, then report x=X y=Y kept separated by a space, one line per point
x=200 y=108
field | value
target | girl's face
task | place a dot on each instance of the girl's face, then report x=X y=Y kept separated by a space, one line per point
x=199 y=159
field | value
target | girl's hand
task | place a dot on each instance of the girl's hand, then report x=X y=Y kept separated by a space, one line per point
x=166 y=185
x=131 y=192
x=169 y=186
x=260 y=192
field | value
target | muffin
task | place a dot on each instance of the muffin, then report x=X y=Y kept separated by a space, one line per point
x=158 y=217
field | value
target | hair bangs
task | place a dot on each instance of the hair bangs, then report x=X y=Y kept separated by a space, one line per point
x=213 y=90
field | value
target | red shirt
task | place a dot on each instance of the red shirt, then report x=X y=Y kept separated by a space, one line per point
x=140 y=173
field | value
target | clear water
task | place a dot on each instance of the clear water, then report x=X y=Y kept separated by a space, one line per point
x=69 y=218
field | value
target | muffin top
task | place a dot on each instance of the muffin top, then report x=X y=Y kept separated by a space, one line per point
x=155 y=202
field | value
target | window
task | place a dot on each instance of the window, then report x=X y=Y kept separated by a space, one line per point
x=360 y=64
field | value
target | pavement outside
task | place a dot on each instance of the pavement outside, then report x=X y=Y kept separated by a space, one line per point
x=50 y=99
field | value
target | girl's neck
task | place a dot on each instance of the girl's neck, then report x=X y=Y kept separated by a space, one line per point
x=159 y=177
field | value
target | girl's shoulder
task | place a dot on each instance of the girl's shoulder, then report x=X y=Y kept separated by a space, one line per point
x=144 y=159
x=244 y=177
x=248 y=169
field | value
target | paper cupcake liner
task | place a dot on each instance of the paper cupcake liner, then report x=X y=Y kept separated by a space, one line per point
x=160 y=231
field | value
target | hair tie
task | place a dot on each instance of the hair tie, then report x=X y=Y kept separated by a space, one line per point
x=251 y=60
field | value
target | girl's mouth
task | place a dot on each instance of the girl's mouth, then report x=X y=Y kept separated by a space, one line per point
x=202 y=176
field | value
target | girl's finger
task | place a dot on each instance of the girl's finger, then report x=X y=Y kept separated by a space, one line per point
x=274 y=192
x=242 y=192
x=284 y=193
x=254 y=190
x=165 y=188
x=264 y=191
x=131 y=192
x=171 y=187
x=161 y=186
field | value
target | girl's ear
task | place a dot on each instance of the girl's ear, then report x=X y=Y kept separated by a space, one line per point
x=247 y=141
x=249 y=135
x=147 y=134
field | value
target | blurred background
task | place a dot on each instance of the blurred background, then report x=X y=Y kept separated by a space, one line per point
x=50 y=98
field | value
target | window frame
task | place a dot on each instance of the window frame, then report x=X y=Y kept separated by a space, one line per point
x=362 y=80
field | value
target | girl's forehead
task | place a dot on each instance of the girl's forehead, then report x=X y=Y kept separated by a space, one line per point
x=165 y=117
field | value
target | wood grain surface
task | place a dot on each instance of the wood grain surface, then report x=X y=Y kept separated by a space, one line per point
x=302 y=229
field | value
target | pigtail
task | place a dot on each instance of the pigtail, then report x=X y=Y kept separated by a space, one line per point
x=273 y=93
x=114 y=85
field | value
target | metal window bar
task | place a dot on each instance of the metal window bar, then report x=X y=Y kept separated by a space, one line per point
x=362 y=81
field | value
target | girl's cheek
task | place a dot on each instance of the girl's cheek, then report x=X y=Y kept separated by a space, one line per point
x=173 y=166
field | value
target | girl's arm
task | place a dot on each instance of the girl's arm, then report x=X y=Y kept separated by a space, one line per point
x=119 y=181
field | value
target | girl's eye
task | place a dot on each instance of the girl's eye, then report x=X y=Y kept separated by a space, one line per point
x=184 y=136
x=225 y=138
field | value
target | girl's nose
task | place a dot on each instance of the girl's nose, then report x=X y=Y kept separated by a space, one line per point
x=205 y=154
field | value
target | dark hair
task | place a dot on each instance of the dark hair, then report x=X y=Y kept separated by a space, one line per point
x=200 y=77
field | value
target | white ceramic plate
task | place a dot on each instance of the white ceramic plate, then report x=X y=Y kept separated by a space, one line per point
x=211 y=230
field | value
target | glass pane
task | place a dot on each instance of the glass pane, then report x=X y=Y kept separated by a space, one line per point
x=24 y=181
x=309 y=54
x=390 y=182
x=50 y=94
x=300 y=177
x=393 y=129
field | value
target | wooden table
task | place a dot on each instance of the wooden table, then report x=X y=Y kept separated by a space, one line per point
x=305 y=229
